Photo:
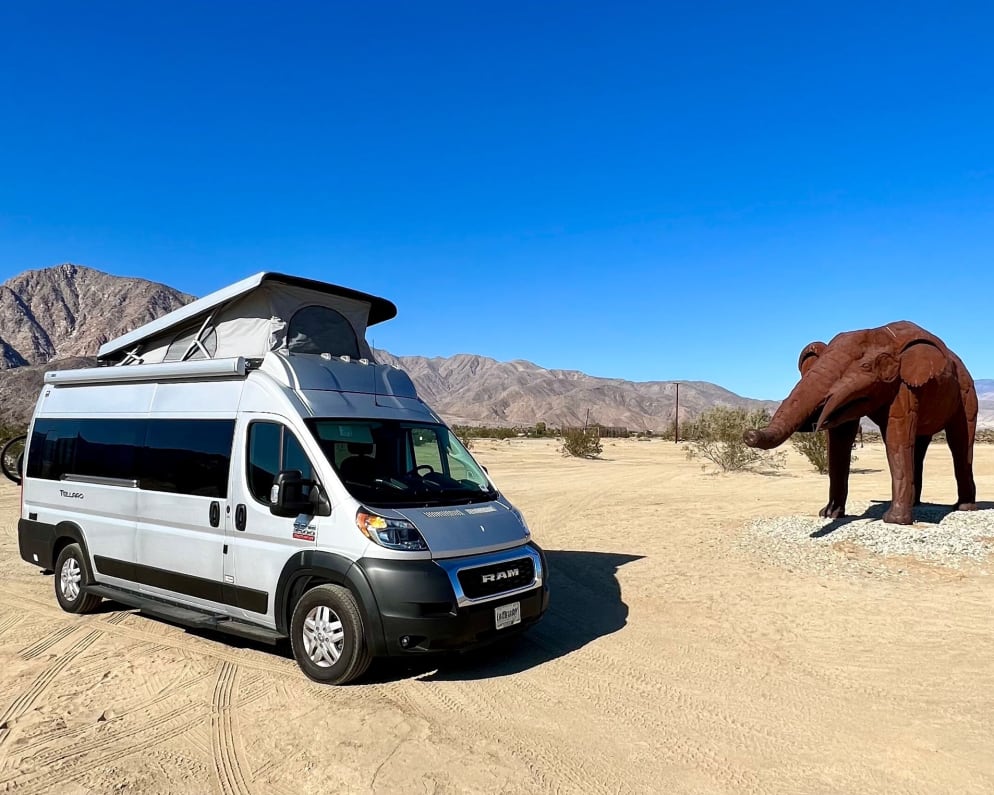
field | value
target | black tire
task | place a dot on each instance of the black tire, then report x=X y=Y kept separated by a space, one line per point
x=333 y=627
x=71 y=580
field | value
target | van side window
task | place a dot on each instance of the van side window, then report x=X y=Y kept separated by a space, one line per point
x=96 y=448
x=188 y=457
x=271 y=448
x=176 y=456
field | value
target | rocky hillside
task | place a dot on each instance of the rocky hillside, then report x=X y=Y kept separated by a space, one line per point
x=475 y=390
x=68 y=311
x=54 y=318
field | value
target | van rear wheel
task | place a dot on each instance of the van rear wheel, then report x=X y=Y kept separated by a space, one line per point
x=327 y=636
x=70 y=581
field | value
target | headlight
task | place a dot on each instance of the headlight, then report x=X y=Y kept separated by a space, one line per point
x=390 y=533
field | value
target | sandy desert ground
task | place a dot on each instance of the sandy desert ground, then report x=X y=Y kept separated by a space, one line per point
x=676 y=658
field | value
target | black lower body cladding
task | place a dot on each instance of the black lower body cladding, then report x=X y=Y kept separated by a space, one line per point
x=416 y=602
x=36 y=542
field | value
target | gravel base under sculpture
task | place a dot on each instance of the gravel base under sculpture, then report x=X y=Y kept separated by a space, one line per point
x=939 y=536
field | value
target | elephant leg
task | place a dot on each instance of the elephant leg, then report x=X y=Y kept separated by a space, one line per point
x=900 y=443
x=921 y=447
x=840 y=442
x=959 y=437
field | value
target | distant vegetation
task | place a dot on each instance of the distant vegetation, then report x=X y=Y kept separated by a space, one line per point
x=716 y=436
x=581 y=443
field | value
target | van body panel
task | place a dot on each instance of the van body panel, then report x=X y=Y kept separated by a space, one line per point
x=124 y=400
x=174 y=535
x=458 y=530
x=322 y=403
x=209 y=399
x=105 y=514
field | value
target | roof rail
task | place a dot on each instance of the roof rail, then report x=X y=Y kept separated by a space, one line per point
x=171 y=371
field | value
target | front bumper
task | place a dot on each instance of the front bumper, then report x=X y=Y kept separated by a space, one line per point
x=421 y=612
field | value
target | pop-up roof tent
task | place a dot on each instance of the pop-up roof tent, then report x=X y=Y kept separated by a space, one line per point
x=265 y=312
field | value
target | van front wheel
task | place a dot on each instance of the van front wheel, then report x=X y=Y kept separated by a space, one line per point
x=70 y=581
x=327 y=637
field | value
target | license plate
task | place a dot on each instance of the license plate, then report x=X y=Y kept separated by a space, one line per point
x=507 y=615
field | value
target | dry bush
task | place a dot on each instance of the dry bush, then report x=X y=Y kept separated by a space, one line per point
x=814 y=447
x=716 y=436
x=581 y=443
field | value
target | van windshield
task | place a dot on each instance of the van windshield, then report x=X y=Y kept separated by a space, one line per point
x=402 y=464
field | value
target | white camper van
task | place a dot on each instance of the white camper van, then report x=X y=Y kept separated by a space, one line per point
x=242 y=464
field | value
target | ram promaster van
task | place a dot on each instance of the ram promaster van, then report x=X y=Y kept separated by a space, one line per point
x=242 y=464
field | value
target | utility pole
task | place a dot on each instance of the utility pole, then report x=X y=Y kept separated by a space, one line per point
x=676 y=417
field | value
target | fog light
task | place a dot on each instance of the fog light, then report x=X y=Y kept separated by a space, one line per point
x=405 y=641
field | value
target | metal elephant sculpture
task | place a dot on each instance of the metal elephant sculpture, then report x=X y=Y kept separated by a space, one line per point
x=904 y=379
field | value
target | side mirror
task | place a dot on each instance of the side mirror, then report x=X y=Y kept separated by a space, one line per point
x=292 y=495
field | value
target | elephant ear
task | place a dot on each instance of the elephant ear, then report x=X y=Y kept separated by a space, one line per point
x=921 y=361
x=809 y=356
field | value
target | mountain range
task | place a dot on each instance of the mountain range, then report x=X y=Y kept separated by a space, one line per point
x=57 y=318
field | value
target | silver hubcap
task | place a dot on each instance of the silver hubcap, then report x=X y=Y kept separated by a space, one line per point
x=69 y=579
x=324 y=636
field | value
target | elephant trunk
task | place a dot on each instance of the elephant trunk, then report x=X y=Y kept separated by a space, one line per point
x=800 y=411
x=765 y=438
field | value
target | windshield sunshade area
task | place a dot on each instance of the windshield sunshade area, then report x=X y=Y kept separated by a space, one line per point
x=403 y=464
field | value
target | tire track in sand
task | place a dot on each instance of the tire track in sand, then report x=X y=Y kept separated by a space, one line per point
x=550 y=768
x=9 y=623
x=117 y=618
x=130 y=741
x=53 y=755
x=24 y=701
x=228 y=764
x=40 y=647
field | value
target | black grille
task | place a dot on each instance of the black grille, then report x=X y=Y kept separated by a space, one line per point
x=498 y=578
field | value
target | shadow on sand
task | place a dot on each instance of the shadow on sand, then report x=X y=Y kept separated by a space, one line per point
x=924 y=513
x=585 y=604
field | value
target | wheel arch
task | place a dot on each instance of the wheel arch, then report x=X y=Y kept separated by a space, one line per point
x=67 y=533
x=310 y=568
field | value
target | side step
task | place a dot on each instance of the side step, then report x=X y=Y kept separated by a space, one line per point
x=187 y=616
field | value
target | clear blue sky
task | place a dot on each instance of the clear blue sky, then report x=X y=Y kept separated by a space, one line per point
x=652 y=191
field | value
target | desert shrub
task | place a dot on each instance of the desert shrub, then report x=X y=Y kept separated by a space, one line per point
x=686 y=430
x=716 y=436
x=581 y=443
x=814 y=447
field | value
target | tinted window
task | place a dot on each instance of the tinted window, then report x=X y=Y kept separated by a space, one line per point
x=272 y=448
x=95 y=448
x=318 y=329
x=188 y=457
x=181 y=456
x=263 y=457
